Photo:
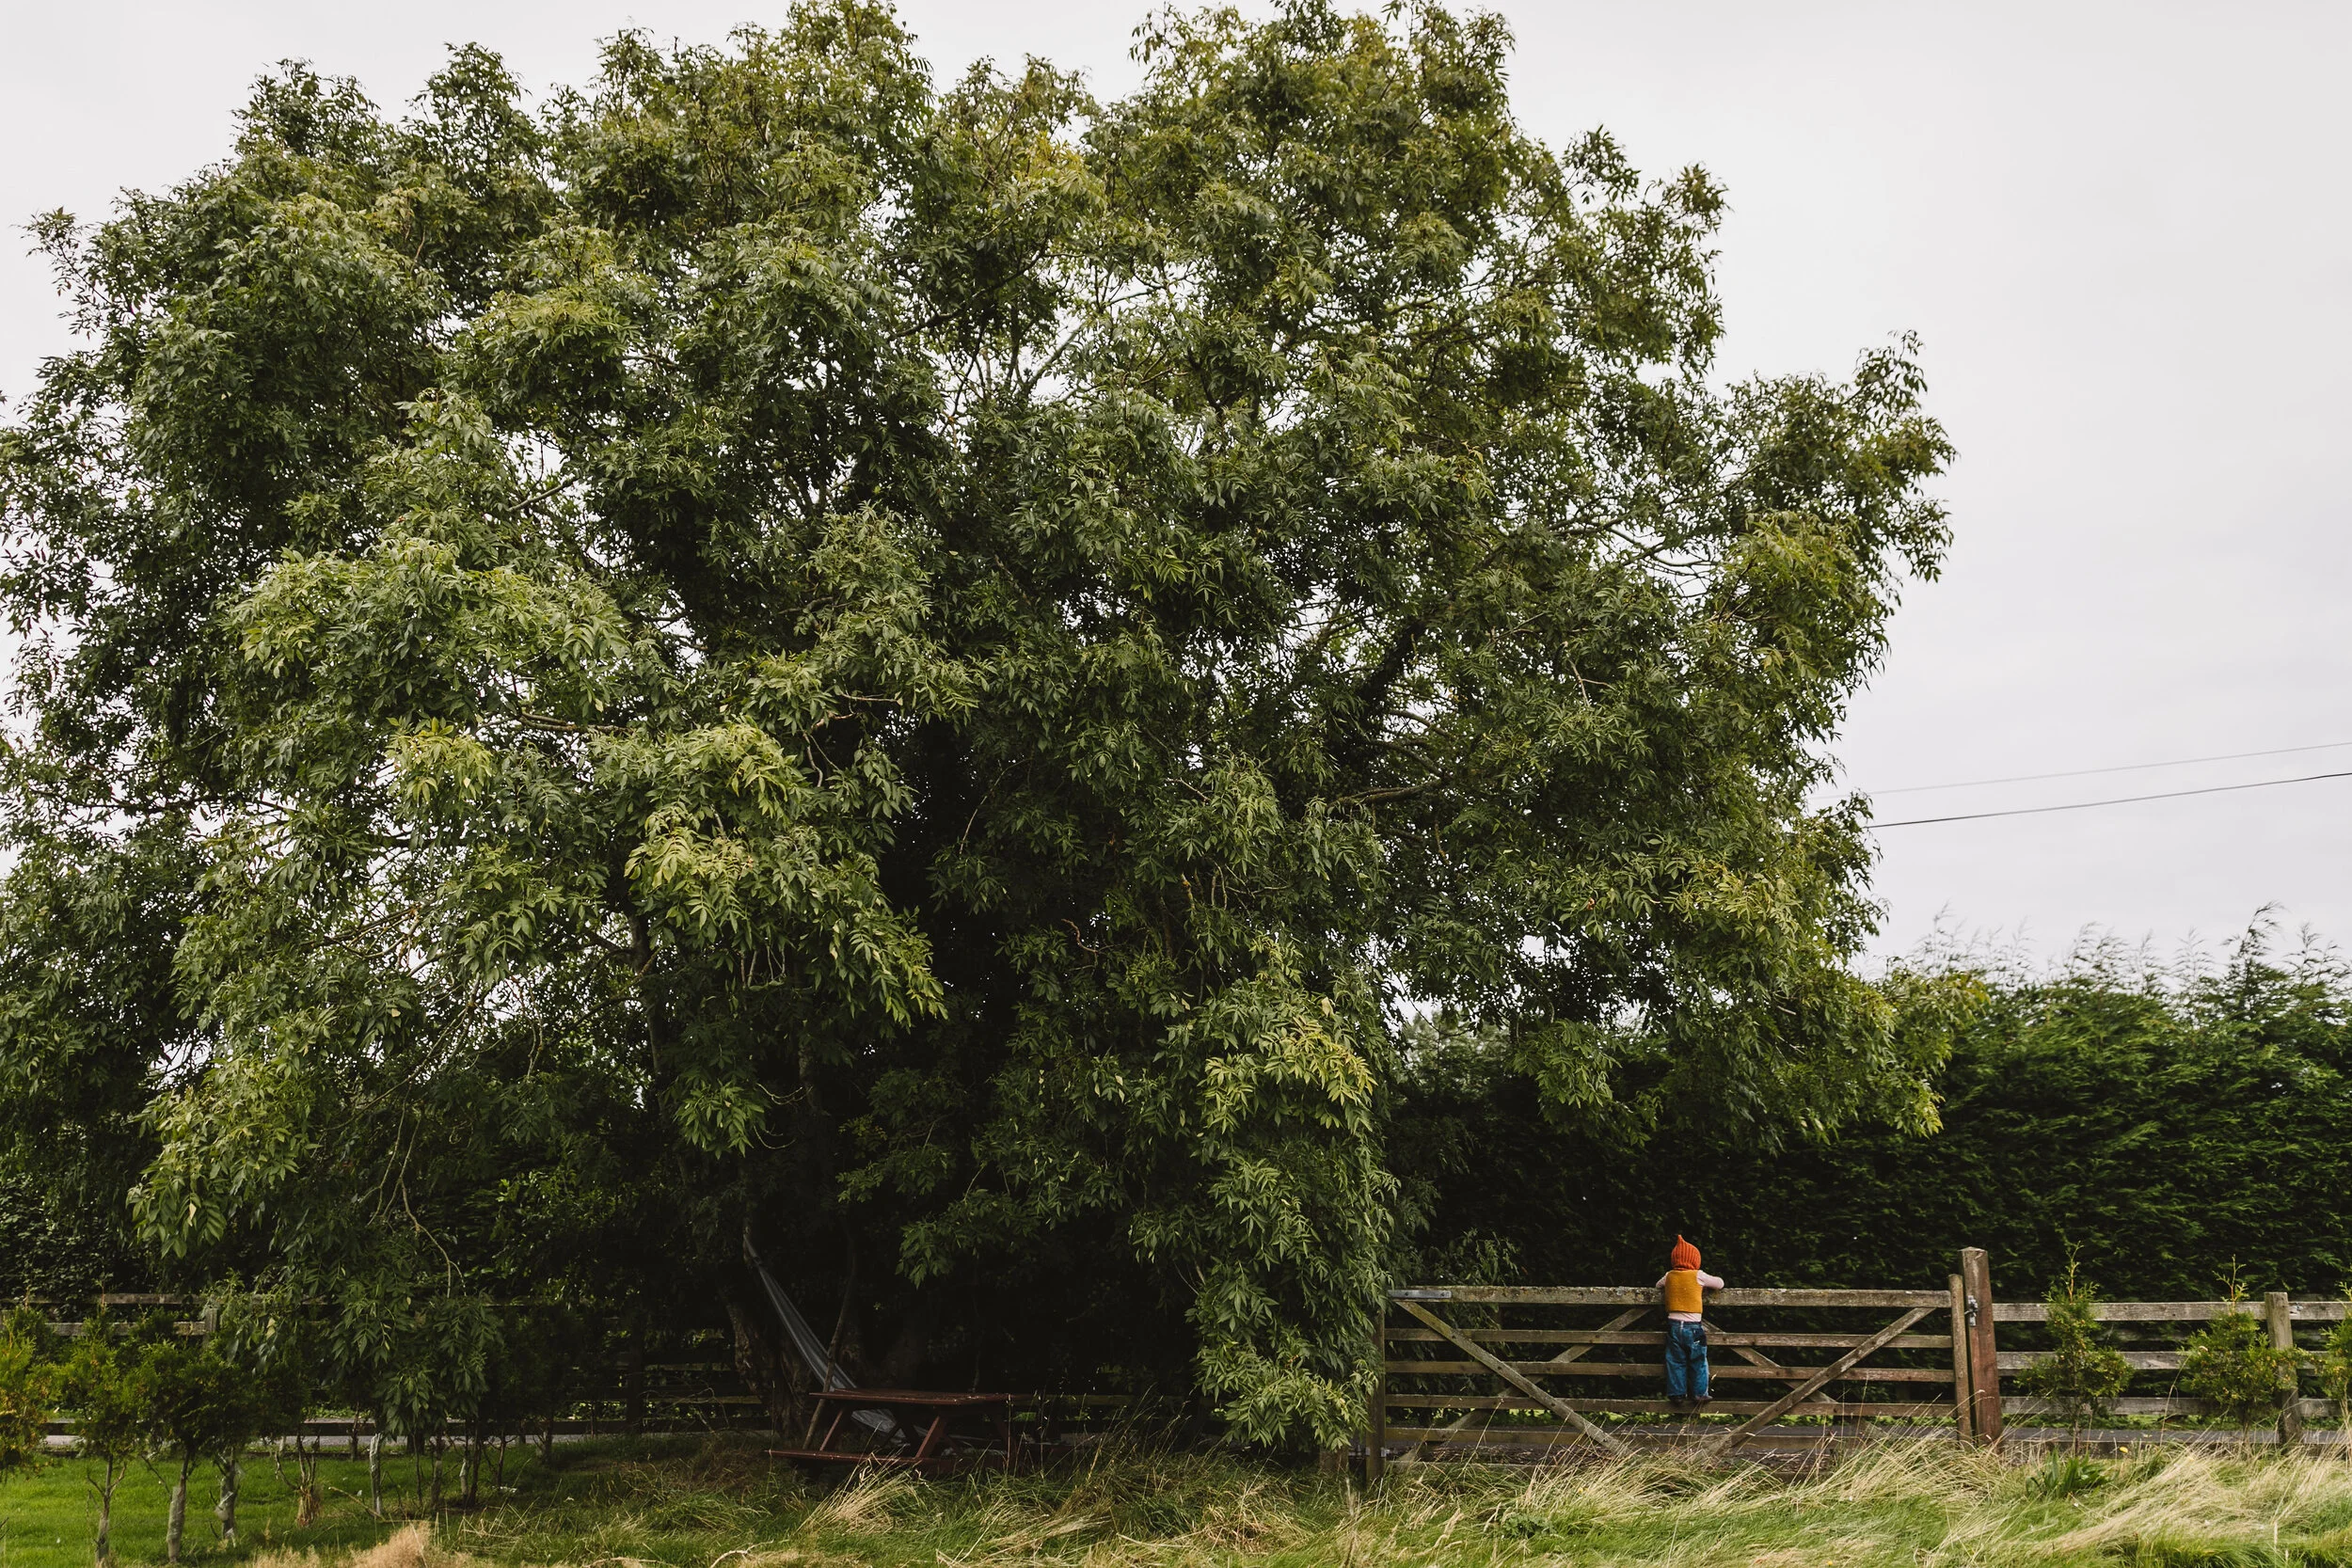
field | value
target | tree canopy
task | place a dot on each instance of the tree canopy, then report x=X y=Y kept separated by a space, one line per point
x=948 y=672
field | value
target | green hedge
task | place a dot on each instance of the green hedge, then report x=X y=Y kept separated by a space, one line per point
x=2163 y=1125
x=62 y=1246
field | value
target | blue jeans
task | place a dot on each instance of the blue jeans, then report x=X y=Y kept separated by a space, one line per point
x=1686 y=1361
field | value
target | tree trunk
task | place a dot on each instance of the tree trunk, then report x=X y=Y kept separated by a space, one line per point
x=436 y=1448
x=847 y=1345
x=307 y=1495
x=903 y=1365
x=176 y=1521
x=106 y=1514
x=761 y=1362
x=375 y=1473
x=225 y=1510
x=633 y=1384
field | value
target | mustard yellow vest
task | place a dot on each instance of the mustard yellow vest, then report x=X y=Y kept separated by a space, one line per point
x=1682 y=1291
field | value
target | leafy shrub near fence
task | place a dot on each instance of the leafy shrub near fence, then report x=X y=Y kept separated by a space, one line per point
x=27 y=1387
x=2231 y=1364
x=2082 y=1373
x=2333 y=1365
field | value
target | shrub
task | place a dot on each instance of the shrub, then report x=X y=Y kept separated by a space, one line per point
x=2334 y=1367
x=27 y=1384
x=2082 y=1373
x=104 y=1386
x=275 y=1343
x=2231 y=1364
x=199 y=1405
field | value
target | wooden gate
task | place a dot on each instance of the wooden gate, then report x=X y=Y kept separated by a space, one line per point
x=1528 y=1368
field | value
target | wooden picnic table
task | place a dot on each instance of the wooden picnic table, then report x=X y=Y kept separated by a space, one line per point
x=927 y=1421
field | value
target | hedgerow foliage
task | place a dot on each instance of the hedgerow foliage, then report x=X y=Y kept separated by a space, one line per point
x=931 y=668
x=2156 y=1120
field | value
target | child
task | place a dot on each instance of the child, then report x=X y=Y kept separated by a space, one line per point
x=1686 y=1326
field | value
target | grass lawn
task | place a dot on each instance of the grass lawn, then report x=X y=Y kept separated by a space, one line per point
x=721 y=1505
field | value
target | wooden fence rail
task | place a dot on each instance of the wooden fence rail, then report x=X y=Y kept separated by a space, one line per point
x=1476 y=1368
x=622 y=1379
x=1490 y=1369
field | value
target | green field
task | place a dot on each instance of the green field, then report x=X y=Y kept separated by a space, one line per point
x=711 y=1506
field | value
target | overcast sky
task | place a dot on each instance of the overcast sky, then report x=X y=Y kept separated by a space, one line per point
x=2119 y=228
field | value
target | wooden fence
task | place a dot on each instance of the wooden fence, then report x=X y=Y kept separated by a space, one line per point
x=665 y=1380
x=668 y=1380
x=2150 y=1335
x=1524 y=1371
x=1531 y=1370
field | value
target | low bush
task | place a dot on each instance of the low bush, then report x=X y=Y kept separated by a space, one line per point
x=27 y=1388
x=2082 y=1374
x=2231 y=1364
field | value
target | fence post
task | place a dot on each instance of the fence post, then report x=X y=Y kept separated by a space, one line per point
x=1376 y=1412
x=1963 y=1396
x=1984 y=1358
x=2281 y=1316
x=633 y=1384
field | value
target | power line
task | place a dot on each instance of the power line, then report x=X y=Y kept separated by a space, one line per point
x=2121 y=801
x=2126 y=767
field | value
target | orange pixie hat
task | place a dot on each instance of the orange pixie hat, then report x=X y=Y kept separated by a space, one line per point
x=1684 y=1255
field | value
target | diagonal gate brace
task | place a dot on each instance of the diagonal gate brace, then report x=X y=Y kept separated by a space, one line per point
x=1805 y=1390
x=1578 y=1353
x=1511 y=1375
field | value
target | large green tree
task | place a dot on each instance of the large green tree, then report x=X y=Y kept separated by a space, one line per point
x=939 y=670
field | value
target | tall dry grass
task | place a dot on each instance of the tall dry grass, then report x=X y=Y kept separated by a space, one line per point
x=410 y=1547
x=1916 y=1504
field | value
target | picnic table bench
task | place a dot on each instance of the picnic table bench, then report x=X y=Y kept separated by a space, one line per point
x=942 y=1430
